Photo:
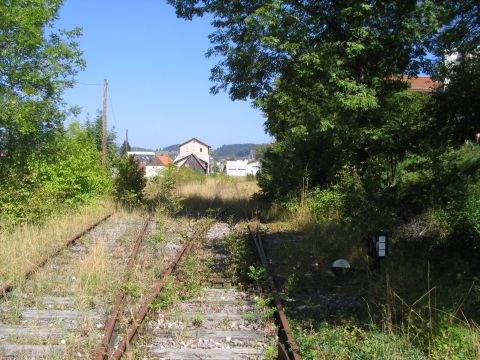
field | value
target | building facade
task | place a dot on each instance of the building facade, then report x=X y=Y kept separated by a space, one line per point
x=195 y=147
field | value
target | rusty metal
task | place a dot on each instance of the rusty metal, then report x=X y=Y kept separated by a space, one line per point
x=137 y=320
x=282 y=352
x=8 y=286
x=102 y=349
x=290 y=347
x=157 y=287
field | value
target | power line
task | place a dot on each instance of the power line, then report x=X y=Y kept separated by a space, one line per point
x=88 y=84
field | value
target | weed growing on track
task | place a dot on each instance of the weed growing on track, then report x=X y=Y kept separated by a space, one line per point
x=167 y=297
x=240 y=258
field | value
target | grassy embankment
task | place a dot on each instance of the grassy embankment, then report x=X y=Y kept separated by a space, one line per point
x=420 y=304
x=27 y=244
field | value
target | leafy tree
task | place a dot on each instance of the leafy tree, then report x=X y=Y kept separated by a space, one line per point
x=130 y=181
x=458 y=107
x=96 y=132
x=73 y=174
x=327 y=76
x=37 y=63
x=260 y=150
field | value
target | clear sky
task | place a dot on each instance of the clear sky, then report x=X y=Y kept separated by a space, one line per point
x=157 y=73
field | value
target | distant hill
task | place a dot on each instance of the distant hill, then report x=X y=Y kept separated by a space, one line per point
x=236 y=151
x=170 y=148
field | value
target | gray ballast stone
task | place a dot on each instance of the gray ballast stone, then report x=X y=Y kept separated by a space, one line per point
x=224 y=335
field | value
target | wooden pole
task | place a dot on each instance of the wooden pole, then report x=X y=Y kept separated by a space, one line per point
x=126 y=143
x=104 y=123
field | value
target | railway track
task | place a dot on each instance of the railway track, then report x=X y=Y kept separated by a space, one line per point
x=49 y=319
x=287 y=346
x=220 y=322
x=58 y=312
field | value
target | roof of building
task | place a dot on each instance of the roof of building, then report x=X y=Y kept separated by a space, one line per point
x=160 y=160
x=192 y=139
x=421 y=83
x=202 y=163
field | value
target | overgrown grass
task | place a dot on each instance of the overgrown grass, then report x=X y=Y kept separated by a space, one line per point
x=27 y=244
x=349 y=341
x=420 y=305
x=219 y=192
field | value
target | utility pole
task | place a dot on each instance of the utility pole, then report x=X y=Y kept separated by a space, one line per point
x=104 y=123
x=127 y=146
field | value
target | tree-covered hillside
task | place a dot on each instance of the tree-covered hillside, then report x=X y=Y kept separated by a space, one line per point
x=235 y=151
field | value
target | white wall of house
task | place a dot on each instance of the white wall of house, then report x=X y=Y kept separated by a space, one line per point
x=196 y=148
x=151 y=171
x=237 y=167
x=253 y=167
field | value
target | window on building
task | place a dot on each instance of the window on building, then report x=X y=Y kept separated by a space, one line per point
x=201 y=149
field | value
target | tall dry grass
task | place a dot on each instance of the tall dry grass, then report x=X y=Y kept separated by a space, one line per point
x=28 y=244
x=220 y=192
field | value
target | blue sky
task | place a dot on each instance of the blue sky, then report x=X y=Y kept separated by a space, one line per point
x=157 y=75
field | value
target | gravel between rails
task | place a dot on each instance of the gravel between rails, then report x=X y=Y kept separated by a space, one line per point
x=223 y=322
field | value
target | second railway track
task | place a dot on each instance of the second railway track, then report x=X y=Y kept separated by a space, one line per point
x=58 y=312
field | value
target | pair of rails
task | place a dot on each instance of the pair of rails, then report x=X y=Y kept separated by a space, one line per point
x=287 y=347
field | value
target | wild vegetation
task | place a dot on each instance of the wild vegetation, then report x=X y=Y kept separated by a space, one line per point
x=46 y=167
x=357 y=153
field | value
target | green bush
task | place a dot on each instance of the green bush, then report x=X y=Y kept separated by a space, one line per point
x=160 y=191
x=471 y=209
x=130 y=181
x=73 y=175
x=348 y=341
x=185 y=175
x=326 y=204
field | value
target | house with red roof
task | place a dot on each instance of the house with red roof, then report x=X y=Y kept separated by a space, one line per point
x=155 y=166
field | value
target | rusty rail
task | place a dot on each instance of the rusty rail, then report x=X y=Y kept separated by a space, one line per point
x=287 y=346
x=8 y=286
x=109 y=328
x=158 y=286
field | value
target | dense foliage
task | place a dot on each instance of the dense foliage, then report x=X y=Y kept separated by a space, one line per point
x=330 y=79
x=72 y=175
x=44 y=167
x=130 y=181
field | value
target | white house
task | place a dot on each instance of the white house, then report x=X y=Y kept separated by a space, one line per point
x=236 y=167
x=242 y=167
x=253 y=167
